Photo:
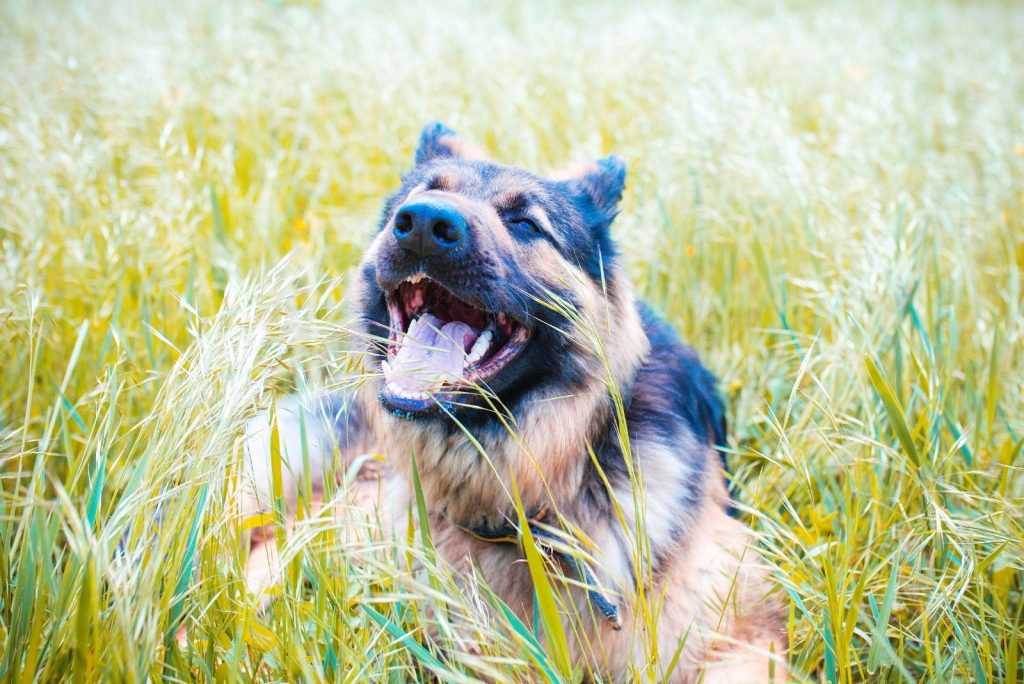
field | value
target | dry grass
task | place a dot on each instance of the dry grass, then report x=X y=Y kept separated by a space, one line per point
x=827 y=201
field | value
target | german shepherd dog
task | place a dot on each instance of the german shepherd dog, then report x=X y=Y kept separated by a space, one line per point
x=506 y=353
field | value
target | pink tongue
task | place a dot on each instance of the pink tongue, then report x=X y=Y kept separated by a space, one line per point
x=431 y=353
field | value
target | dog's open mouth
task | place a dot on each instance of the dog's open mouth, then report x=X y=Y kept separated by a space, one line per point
x=440 y=345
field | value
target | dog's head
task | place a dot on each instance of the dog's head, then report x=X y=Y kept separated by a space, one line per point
x=472 y=283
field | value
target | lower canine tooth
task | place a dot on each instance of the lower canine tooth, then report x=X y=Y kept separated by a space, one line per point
x=479 y=347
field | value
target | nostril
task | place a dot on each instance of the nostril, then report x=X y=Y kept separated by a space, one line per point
x=446 y=232
x=403 y=223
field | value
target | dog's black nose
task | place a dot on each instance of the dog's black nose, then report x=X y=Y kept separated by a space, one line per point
x=428 y=227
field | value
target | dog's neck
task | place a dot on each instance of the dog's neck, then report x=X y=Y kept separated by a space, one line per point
x=471 y=478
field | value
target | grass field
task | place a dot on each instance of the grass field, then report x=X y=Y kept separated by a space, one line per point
x=828 y=202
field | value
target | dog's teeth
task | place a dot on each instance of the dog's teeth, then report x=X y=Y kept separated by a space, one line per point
x=479 y=347
x=385 y=367
x=408 y=394
x=415 y=279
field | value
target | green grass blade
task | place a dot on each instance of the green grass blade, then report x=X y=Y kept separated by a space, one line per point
x=894 y=411
x=547 y=601
x=412 y=646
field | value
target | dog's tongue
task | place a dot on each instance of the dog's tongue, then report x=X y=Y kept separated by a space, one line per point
x=432 y=352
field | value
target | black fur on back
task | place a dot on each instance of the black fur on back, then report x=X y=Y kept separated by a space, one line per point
x=690 y=388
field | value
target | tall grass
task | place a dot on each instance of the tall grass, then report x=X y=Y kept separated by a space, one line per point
x=827 y=201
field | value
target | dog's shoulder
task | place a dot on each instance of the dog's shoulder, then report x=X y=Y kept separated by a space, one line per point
x=674 y=390
x=675 y=418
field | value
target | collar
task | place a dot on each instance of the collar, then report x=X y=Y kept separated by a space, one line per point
x=540 y=527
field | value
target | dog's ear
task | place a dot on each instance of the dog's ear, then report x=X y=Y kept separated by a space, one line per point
x=602 y=181
x=437 y=141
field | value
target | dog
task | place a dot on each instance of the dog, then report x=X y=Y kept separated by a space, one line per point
x=508 y=356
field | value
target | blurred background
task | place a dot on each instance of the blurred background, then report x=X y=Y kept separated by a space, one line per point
x=811 y=185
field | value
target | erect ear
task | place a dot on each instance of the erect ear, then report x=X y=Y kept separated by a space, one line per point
x=437 y=141
x=602 y=181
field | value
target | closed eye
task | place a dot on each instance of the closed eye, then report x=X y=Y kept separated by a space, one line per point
x=524 y=223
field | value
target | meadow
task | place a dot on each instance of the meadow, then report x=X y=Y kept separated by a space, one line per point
x=826 y=200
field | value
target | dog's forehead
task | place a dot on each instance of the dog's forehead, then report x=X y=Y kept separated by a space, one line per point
x=486 y=181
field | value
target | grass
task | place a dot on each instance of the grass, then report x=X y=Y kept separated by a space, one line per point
x=827 y=201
